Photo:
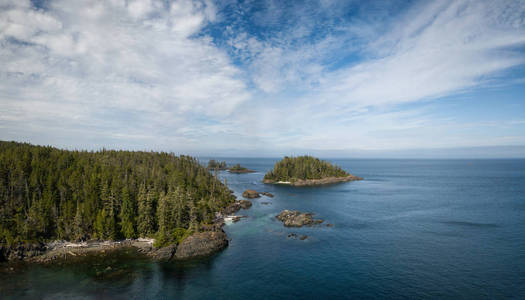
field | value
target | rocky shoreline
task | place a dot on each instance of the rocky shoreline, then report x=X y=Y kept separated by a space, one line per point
x=311 y=182
x=209 y=240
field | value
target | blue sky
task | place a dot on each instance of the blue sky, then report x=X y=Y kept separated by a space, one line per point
x=266 y=78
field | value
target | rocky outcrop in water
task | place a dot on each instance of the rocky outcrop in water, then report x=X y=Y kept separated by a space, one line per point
x=267 y=194
x=236 y=206
x=295 y=218
x=250 y=194
x=201 y=244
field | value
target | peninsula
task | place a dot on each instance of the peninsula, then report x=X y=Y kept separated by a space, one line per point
x=306 y=171
x=57 y=202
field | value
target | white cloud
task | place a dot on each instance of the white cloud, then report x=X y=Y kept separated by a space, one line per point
x=78 y=63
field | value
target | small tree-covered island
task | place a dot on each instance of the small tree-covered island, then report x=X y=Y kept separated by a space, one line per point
x=305 y=171
x=55 y=203
x=238 y=169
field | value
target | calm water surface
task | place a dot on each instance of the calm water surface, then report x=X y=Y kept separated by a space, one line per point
x=411 y=229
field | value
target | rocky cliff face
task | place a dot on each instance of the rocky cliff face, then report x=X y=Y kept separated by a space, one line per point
x=201 y=244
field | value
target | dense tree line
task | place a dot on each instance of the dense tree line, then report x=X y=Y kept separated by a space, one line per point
x=48 y=193
x=237 y=167
x=303 y=167
x=219 y=165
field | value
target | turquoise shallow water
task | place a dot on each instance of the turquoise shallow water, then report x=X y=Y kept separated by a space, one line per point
x=411 y=229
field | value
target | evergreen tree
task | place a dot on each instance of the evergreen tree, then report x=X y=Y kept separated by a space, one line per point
x=127 y=215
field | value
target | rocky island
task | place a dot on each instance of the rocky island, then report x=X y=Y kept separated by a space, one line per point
x=238 y=169
x=58 y=204
x=295 y=218
x=306 y=171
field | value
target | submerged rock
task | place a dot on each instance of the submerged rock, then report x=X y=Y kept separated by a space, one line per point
x=201 y=244
x=250 y=194
x=303 y=237
x=294 y=218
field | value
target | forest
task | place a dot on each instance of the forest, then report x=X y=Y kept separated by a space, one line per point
x=216 y=165
x=47 y=193
x=303 y=167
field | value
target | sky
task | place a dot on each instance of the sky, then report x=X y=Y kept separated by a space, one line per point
x=266 y=78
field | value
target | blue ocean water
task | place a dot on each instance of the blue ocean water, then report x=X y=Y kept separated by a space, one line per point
x=411 y=229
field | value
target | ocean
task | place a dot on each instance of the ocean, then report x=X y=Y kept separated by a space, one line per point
x=410 y=229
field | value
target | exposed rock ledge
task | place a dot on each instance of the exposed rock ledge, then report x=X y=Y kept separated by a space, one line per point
x=309 y=182
x=202 y=244
x=295 y=218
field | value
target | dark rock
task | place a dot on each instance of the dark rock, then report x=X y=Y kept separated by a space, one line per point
x=21 y=251
x=238 y=218
x=294 y=218
x=266 y=203
x=232 y=208
x=201 y=244
x=236 y=206
x=267 y=194
x=303 y=237
x=245 y=204
x=329 y=225
x=292 y=235
x=250 y=194
x=164 y=253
